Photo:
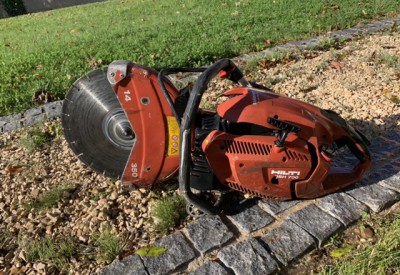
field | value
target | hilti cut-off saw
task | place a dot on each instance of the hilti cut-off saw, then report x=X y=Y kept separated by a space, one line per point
x=132 y=123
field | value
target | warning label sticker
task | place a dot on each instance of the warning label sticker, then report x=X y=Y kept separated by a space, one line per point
x=173 y=136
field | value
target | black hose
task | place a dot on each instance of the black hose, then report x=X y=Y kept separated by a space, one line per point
x=161 y=77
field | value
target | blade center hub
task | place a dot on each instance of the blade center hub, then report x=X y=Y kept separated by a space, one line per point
x=118 y=130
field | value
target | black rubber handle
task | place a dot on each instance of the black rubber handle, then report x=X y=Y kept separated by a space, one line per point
x=185 y=136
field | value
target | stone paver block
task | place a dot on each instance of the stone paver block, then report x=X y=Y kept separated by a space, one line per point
x=288 y=242
x=276 y=207
x=11 y=126
x=248 y=257
x=53 y=109
x=392 y=182
x=342 y=207
x=208 y=232
x=316 y=222
x=32 y=120
x=210 y=268
x=178 y=253
x=131 y=265
x=251 y=219
x=374 y=196
x=33 y=112
x=7 y=119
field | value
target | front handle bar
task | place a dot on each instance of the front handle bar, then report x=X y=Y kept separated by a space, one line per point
x=185 y=132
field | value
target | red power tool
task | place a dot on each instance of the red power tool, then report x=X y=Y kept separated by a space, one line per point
x=131 y=122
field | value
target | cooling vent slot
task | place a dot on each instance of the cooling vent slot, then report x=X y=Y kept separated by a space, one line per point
x=248 y=148
x=292 y=155
x=242 y=189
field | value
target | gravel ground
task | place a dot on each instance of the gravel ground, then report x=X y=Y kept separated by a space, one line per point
x=360 y=80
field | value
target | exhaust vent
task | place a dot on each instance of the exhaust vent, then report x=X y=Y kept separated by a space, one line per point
x=248 y=148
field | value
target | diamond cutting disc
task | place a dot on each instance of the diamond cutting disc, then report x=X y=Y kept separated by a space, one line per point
x=95 y=125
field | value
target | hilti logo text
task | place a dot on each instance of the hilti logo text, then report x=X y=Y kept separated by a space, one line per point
x=282 y=174
x=285 y=173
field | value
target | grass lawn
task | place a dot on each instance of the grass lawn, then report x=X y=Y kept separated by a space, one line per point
x=379 y=257
x=51 y=50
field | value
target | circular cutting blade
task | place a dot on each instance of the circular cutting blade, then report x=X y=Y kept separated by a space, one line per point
x=95 y=125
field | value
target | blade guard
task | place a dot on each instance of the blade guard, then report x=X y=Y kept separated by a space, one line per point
x=318 y=128
x=155 y=153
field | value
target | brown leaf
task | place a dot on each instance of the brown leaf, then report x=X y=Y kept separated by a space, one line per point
x=367 y=233
x=267 y=42
x=334 y=7
x=41 y=97
x=266 y=64
x=13 y=170
x=336 y=65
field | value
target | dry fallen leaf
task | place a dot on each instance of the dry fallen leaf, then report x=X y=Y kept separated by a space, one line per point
x=13 y=170
x=336 y=65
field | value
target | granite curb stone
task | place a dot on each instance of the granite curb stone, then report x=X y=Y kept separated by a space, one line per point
x=33 y=112
x=276 y=207
x=251 y=219
x=340 y=36
x=11 y=126
x=210 y=267
x=208 y=232
x=392 y=183
x=248 y=257
x=31 y=117
x=342 y=207
x=53 y=109
x=178 y=253
x=374 y=196
x=131 y=265
x=288 y=242
x=316 y=222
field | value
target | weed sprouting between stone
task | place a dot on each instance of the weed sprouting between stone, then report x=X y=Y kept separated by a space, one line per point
x=168 y=213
